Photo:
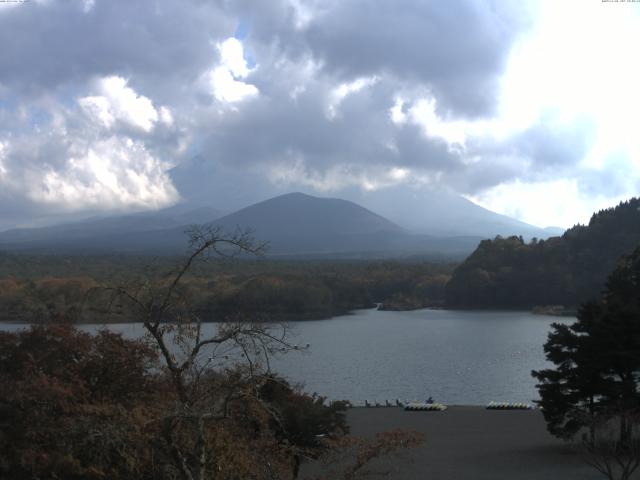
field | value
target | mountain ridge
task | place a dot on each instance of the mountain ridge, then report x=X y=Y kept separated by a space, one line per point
x=294 y=224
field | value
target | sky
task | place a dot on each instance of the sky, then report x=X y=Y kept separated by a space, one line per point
x=530 y=109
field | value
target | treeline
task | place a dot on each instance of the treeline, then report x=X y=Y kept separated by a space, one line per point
x=41 y=289
x=566 y=270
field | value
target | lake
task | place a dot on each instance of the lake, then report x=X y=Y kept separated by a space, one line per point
x=457 y=357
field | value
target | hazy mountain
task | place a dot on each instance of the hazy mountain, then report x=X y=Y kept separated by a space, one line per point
x=293 y=224
x=297 y=214
x=75 y=232
x=434 y=211
x=301 y=224
x=443 y=213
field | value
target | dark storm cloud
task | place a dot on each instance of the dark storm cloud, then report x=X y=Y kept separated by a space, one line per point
x=458 y=48
x=275 y=128
x=542 y=152
x=296 y=132
x=55 y=43
x=552 y=148
x=453 y=53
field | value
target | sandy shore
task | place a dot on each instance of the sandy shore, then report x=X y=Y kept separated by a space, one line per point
x=473 y=443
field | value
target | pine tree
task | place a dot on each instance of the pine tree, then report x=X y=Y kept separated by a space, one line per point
x=597 y=360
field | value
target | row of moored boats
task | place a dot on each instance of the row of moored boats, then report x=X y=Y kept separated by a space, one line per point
x=439 y=407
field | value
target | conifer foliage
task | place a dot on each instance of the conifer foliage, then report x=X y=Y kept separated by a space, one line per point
x=597 y=362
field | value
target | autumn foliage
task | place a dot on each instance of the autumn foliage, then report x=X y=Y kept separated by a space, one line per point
x=81 y=406
x=71 y=404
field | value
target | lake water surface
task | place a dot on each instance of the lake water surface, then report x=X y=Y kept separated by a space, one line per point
x=457 y=357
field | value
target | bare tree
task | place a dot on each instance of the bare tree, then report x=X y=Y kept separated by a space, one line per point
x=198 y=358
x=214 y=369
x=604 y=450
x=348 y=458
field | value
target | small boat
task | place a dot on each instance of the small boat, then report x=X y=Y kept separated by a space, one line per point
x=425 y=407
x=509 y=406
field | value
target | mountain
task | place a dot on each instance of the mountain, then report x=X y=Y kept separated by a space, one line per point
x=301 y=224
x=443 y=213
x=429 y=211
x=300 y=215
x=76 y=233
x=566 y=270
x=293 y=224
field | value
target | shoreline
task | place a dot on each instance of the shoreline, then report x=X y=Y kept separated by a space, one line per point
x=312 y=318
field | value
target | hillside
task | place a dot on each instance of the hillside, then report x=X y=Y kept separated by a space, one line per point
x=77 y=234
x=297 y=214
x=566 y=270
x=294 y=225
x=420 y=210
x=444 y=213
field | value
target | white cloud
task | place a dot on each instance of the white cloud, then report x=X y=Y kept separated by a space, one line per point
x=397 y=113
x=166 y=116
x=232 y=57
x=579 y=66
x=3 y=170
x=113 y=173
x=303 y=13
x=422 y=110
x=558 y=203
x=294 y=171
x=87 y=5
x=227 y=89
x=118 y=102
x=225 y=79
x=99 y=109
x=423 y=113
x=342 y=91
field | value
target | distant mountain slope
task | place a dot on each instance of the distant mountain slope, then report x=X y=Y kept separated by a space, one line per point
x=300 y=224
x=293 y=224
x=74 y=233
x=421 y=210
x=297 y=214
x=443 y=213
x=566 y=270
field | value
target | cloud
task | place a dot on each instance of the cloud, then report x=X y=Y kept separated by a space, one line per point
x=61 y=44
x=457 y=50
x=105 y=104
x=118 y=102
x=80 y=173
x=3 y=170
x=342 y=91
x=226 y=78
x=82 y=156
x=548 y=203
x=109 y=174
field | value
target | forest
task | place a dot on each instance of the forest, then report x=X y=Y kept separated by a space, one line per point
x=562 y=271
x=554 y=275
x=44 y=288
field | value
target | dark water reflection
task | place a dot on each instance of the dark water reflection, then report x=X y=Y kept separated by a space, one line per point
x=458 y=357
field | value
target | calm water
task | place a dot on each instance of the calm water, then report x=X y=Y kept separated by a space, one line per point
x=458 y=357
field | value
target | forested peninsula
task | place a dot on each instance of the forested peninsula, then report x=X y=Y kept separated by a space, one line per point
x=561 y=271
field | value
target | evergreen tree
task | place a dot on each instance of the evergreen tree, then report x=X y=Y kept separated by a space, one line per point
x=597 y=360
